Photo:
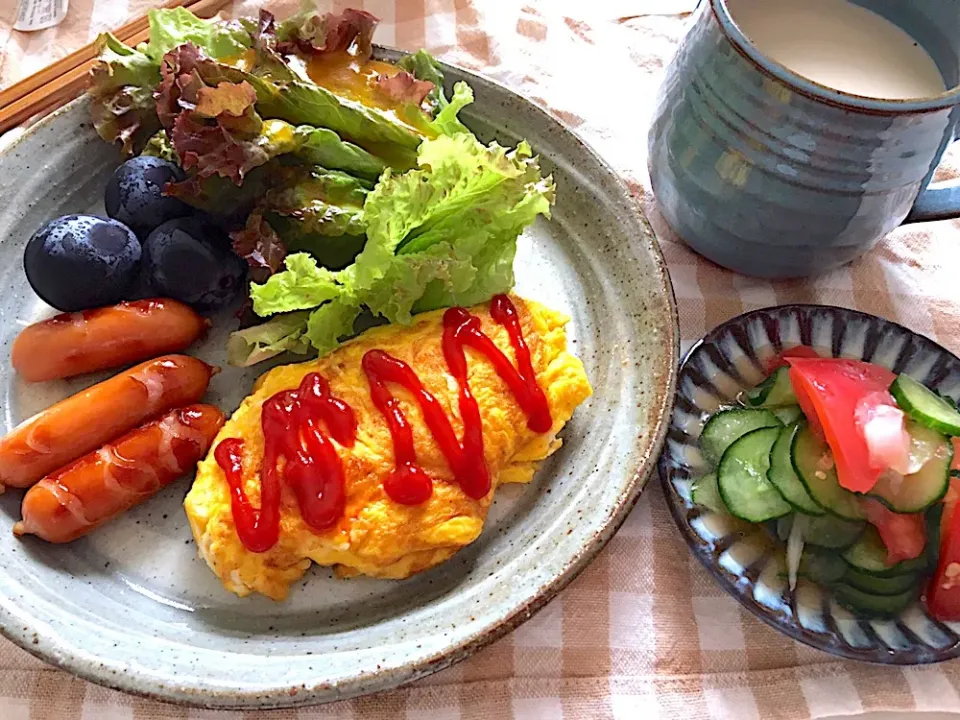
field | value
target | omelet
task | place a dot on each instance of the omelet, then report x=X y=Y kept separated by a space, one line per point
x=376 y=536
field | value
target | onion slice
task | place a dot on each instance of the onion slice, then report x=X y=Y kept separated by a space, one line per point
x=883 y=426
x=795 y=550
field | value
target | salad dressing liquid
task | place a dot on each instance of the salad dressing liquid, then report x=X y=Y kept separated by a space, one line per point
x=244 y=61
x=342 y=74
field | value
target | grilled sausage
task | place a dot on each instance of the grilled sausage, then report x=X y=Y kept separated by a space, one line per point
x=97 y=487
x=85 y=421
x=77 y=343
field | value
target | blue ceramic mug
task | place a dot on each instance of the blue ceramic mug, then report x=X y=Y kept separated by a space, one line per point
x=770 y=174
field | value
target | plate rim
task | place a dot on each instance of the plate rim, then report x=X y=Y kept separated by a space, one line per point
x=675 y=503
x=369 y=683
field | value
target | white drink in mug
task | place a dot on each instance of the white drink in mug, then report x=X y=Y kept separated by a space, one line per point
x=840 y=45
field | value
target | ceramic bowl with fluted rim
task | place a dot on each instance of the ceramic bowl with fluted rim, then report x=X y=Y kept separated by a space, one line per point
x=745 y=558
x=131 y=605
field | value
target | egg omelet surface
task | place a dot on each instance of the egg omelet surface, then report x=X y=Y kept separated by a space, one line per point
x=376 y=536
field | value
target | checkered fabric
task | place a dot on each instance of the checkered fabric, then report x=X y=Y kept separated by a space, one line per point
x=644 y=632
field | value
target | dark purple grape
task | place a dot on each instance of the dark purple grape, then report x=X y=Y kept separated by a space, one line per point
x=134 y=194
x=77 y=262
x=189 y=260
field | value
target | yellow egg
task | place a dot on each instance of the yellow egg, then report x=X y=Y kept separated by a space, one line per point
x=377 y=536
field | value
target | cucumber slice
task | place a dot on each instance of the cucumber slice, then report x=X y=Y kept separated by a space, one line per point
x=706 y=493
x=915 y=493
x=775 y=391
x=820 y=478
x=825 y=531
x=925 y=406
x=728 y=425
x=881 y=585
x=864 y=603
x=869 y=555
x=742 y=478
x=784 y=477
x=831 y=532
x=933 y=517
x=821 y=567
x=789 y=415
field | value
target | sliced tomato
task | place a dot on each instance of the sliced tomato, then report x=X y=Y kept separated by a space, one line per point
x=781 y=360
x=830 y=390
x=905 y=536
x=943 y=593
x=807 y=407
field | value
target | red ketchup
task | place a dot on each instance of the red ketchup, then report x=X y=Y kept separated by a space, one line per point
x=311 y=466
x=297 y=448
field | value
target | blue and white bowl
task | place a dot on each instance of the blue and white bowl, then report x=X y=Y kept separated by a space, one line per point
x=745 y=559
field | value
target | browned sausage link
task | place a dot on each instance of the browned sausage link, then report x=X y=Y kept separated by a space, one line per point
x=100 y=485
x=77 y=343
x=103 y=412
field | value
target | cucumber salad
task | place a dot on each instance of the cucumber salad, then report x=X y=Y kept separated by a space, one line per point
x=852 y=467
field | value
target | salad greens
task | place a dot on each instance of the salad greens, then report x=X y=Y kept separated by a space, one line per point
x=345 y=200
x=443 y=234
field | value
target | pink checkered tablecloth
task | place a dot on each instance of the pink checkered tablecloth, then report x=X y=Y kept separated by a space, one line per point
x=644 y=632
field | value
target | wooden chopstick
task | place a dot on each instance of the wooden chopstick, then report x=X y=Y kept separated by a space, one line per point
x=56 y=93
x=70 y=76
x=64 y=65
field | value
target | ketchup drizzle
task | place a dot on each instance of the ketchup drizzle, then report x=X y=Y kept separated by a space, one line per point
x=258 y=529
x=311 y=466
x=300 y=451
x=408 y=483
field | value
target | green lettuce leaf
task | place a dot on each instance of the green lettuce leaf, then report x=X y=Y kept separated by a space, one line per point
x=301 y=102
x=283 y=333
x=171 y=28
x=121 y=85
x=460 y=188
x=320 y=146
x=458 y=247
x=305 y=103
x=330 y=251
x=441 y=235
x=323 y=202
x=330 y=324
x=303 y=285
x=220 y=197
x=447 y=122
x=124 y=78
x=423 y=66
x=119 y=65
x=159 y=145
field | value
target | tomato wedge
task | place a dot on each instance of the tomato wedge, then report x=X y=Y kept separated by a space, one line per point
x=943 y=593
x=782 y=360
x=830 y=391
x=905 y=536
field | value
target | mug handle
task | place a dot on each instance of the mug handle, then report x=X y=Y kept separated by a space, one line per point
x=938 y=203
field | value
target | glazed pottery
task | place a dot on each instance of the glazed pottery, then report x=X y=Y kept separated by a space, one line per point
x=747 y=559
x=132 y=606
x=770 y=174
